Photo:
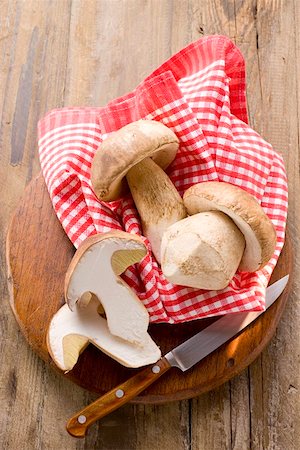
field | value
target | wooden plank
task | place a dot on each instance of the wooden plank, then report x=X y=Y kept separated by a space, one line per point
x=167 y=425
x=275 y=406
x=210 y=420
x=126 y=41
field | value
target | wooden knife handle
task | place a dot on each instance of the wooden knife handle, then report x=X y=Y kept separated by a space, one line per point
x=78 y=425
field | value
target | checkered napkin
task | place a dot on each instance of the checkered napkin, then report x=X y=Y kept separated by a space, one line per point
x=200 y=94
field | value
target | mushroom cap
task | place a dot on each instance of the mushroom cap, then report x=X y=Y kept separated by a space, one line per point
x=125 y=148
x=246 y=213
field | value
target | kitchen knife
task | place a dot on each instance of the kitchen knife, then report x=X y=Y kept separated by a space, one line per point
x=184 y=357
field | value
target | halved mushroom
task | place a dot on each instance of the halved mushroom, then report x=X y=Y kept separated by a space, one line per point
x=228 y=231
x=140 y=152
x=94 y=271
x=70 y=332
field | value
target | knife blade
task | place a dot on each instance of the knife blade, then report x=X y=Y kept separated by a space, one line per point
x=184 y=356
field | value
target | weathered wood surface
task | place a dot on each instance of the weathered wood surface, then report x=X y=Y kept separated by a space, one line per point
x=61 y=52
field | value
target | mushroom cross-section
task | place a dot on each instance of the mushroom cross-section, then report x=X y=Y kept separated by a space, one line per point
x=70 y=332
x=95 y=269
x=227 y=230
x=139 y=153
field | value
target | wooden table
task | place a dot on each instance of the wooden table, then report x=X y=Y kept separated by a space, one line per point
x=62 y=53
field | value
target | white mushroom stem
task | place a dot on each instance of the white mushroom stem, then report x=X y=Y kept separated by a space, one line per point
x=70 y=332
x=157 y=201
x=202 y=251
x=95 y=268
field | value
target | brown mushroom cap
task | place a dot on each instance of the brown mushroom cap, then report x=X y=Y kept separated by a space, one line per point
x=125 y=148
x=246 y=213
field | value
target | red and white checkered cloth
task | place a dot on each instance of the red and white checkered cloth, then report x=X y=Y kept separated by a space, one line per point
x=200 y=94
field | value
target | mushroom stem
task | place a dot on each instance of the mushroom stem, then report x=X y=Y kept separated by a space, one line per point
x=202 y=251
x=157 y=201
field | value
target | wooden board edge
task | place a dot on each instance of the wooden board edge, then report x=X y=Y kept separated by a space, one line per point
x=9 y=276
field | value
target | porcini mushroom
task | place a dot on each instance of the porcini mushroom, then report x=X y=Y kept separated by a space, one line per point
x=245 y=212
x=246 y=240
x=95 y=269
x=140 y=152
x=70 y=332
x=202 y=251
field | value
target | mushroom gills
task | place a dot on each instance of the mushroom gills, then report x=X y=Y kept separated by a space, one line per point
x=73 y=345
x=202 y=251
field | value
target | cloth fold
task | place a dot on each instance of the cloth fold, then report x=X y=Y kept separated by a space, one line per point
x=200 y=94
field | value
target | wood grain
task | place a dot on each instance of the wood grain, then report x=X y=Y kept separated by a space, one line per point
x=82 y=53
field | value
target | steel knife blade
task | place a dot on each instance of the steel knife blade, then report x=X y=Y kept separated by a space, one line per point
x=206 y=341
x=183 y=356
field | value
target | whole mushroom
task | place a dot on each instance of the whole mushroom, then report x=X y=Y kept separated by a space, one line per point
x=139 y=153
x=228 y=230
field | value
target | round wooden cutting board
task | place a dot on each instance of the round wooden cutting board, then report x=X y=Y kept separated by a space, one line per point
x=38 y=254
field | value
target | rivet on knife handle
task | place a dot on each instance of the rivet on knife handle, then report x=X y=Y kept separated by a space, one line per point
x=78 y=425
